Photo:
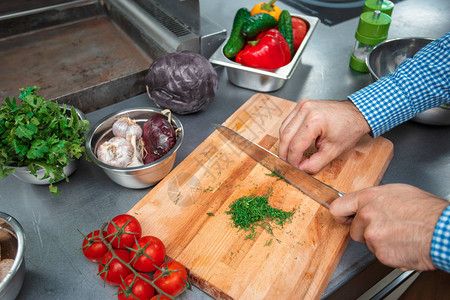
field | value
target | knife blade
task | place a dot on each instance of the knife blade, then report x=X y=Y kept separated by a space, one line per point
x=312 y=187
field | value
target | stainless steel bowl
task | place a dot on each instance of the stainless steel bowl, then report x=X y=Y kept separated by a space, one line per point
x=14 y=248
x=24 y=174
x=135 y=177
x=259 y=79
x=385 y=59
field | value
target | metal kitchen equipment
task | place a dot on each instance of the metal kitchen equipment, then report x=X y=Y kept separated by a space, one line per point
x=11 y=285
x=372 y=29
x=134 y=177
x=259 y=79
x=313 y=188
x=167 y=25
x=93 y=53
x=385 y=59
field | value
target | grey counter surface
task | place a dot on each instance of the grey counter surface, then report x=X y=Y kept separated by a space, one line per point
x=55 y=267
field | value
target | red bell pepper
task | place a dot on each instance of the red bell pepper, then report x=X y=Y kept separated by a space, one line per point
x=238 y=58
x=299 y=29
x=269 y=51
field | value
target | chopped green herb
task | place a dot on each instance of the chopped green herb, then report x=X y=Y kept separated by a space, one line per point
x=208 y=189
x=251 y=236
x=268 y=243
x=178 y=198
x=250 y=211
x=277 y=174
x=210 y=214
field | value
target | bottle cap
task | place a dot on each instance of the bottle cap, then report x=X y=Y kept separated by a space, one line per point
x=358 y=65
x=373 y=27
x=385 y=6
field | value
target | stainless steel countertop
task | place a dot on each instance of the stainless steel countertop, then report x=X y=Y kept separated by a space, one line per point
x=55 y=270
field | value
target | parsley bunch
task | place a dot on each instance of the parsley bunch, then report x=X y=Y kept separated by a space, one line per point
x=39 y=134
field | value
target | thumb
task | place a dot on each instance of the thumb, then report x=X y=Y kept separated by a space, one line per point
x=344 y=208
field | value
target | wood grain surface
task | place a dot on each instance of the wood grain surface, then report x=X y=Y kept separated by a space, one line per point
x=295 y=262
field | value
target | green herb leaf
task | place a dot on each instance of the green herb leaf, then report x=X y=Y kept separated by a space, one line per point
x=37 y=150
x=26 y=131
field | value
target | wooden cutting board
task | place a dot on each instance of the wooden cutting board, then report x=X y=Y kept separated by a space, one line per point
x=297 y=261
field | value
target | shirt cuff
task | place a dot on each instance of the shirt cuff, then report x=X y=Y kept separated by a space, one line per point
x=440 y=244
x=383 y=105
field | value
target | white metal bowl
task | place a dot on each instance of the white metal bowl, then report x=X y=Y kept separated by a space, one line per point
x=385 y=59
x=12 y=283
x=134 y=177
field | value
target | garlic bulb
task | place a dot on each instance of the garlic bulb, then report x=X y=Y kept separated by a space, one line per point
x=124 y=126
x=136 y=159
x=116 y=152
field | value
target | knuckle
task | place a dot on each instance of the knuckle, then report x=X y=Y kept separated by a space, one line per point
x=315 y=118
x=373 y=235
x=305 y=104
x=365 y=215
x=293 y=148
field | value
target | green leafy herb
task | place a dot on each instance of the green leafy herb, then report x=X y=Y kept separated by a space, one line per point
x=277 y=174
x=251 y=211
x=210 y=214
x=39 y=134
x=268 y=243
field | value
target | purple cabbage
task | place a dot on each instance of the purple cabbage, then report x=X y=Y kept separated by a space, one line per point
x=184 y=82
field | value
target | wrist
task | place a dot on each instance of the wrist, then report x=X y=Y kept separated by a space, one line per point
x=440 y=244
x=361 y=121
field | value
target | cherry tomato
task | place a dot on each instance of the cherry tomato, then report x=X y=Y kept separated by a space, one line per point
x=299 y=29
x=116 y=271
x=93 y=247
x=148 y=253
x=123 y=230
x=133 y=288
x=160 y=297
x=174 y=282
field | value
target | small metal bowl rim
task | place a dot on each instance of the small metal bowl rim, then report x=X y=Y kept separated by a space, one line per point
x=19 y=258
x=122 y=170
x=371 y=71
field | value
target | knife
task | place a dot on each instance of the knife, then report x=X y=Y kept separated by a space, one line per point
x=313 y=188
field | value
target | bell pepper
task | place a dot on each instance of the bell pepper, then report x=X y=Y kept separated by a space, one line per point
x=268 y=8
x=238 y=58
x=269 y=51
x=299 y=29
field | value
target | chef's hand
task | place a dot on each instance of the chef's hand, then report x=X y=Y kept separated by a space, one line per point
x=396 y=222
x=335 y=126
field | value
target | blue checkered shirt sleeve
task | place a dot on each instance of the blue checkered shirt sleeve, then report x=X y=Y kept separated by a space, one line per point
x=418 y=84
x=440 y=244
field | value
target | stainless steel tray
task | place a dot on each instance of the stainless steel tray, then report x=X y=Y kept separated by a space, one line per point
x=260 y=79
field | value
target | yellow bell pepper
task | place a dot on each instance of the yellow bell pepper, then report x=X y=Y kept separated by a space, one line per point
x=268 y=8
